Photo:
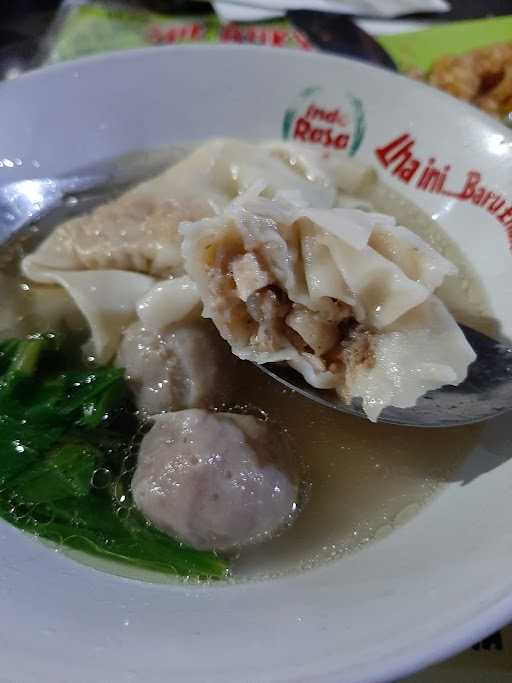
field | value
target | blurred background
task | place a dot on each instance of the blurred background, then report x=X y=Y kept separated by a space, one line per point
x=26 y=25
x=433 y=40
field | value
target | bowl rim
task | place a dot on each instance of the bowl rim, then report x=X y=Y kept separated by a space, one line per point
x=287 y=52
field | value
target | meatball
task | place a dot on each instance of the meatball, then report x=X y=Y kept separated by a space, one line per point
x=186 y=365
x=216 y=481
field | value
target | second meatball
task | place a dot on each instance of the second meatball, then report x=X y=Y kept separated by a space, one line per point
x=215 y=480
x=186 y=365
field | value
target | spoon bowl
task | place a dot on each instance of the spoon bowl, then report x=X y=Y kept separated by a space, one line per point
x=485 y=394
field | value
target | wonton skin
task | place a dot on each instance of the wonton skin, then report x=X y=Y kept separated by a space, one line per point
x=138 y=231
x=109 y=258
x=217 y=481
x=344 y=296
x=288 y=264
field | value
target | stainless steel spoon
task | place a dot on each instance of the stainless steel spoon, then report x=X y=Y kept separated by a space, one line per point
x=26 y=201
x=486 y=393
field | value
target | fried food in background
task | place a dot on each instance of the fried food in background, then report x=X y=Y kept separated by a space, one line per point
x=471 y=60
x=483 y=77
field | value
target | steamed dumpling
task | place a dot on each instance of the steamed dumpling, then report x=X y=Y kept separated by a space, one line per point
x=184 y=365
x=216 y=481
x=139 y=230
x=269 y=240
x=415 y=258
x=168 y=302
x=423 y=350
x=290 y=283
x=138 y=234
x=107 y=299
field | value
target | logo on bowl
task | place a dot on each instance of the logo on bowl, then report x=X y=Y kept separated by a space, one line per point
x=334 y=126
x=401 y=158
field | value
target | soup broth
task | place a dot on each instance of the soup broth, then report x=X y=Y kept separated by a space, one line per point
x=361 y=480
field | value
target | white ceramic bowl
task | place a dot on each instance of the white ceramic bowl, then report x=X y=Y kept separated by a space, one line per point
x=432 y=587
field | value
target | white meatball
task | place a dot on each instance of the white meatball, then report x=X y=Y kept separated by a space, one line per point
x=182 y=366
x=215 y=480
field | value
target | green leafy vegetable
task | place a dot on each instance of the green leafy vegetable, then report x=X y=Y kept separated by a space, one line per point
x=20 y=368
x=91 y=525
x=66 y=453
x=7 y=350
x=83 y=397
x=66 y=471
x=22 y=442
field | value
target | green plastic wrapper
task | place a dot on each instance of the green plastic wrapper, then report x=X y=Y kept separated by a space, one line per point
x=100 y=27
x=420 y=49
x=480 y=79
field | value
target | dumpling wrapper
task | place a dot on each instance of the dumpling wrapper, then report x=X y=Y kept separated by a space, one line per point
x=304 y=160
x=422 y=351
x=107 y=299
x=351 y=176
x=417 y=259
x=223 y=239
x=311 y=262
x=139 y=230
x=284 y=167
x=168 y=302
x=136 y=232
x=380 y=288
x=352 y=226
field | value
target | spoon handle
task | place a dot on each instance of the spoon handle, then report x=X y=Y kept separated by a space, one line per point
x=339 y=34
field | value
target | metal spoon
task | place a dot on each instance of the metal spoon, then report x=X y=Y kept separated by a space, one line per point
x=338 y=33
x=26 y=201
x=486 y=393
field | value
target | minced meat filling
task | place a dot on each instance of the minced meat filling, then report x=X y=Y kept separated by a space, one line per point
x=331 y=334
